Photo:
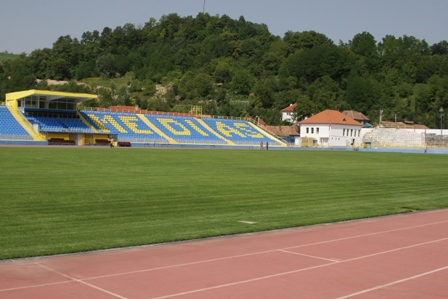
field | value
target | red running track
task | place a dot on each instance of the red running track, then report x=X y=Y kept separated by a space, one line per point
x=404 y=256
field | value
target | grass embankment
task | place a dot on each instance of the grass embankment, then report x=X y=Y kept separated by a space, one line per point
x=109 y=83
x=58 y=200
x=7 y=56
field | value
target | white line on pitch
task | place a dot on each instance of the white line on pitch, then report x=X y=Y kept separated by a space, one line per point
x=247 y=222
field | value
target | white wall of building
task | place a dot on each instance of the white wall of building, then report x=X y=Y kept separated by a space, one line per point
x=328 y=135
x=287 y=116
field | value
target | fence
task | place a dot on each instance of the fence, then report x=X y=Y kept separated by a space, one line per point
x=403 y=138
x=15 y=137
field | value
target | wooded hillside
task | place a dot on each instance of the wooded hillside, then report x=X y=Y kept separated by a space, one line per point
x=238 y=68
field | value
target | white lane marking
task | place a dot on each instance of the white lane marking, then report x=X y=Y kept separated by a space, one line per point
x=293 y=271
x=250 y=254
x=258 y=252
x=35 y=286
x=83 y=282
x=312 y=256
x=393 y=283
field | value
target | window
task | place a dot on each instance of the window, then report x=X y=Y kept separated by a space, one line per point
x=312 y=130
x=307 y=130
x=317 y=130
x=343 y=132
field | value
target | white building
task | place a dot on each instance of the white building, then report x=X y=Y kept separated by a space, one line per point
x=331 y=128
x=287 y=113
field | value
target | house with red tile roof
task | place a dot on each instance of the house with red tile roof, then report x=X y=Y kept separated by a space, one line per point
x=358 y=116
x=331 y=128
x=287 y=113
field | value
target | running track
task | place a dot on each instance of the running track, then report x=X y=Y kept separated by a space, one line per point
x=404 y=256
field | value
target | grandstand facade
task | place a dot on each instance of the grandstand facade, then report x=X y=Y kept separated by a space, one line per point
x=38 y=117
x=48 y=117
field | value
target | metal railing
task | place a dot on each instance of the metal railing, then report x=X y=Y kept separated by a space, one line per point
x=15 y=137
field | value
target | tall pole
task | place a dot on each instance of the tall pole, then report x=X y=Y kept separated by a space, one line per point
x=381 y=115
x=441 y=120
x=203 y=7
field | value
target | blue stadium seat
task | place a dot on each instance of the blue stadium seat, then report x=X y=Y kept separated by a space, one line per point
x=184 y=129
x=74 y=124
x=238 y=131
x=127 y=126
x=143 y=128
x=10 y=128
x=53 y=124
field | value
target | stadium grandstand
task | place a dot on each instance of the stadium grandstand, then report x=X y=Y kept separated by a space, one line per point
x=40 y=117
x=48 y=117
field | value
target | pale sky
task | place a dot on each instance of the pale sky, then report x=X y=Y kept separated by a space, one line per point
x=26 y=25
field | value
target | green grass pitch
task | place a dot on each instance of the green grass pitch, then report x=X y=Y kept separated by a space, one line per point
x=60 y=200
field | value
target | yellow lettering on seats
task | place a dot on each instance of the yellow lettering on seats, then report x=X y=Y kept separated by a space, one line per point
x=109 y=119
x=248 y=130
x=131 y=123
x=167 y=123
x=196 y=128
x=98 y=123
x=227 y=130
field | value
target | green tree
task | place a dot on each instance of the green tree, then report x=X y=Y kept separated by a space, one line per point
x=404 y=53
x=60 y=69
x=106 y=65
x=362 y=93
x=429 y=66
x=366 y=56
x=287 y=97
x=40 y=63
x=305 y=40
x=223 y=71
x=305 y=108
x=237 y=67
x=364 y=44
x=323 y=60
x=66 y=52
x=203 y=85
x=123 y=96
x=86 y=69
x=438 y=92
x=440 y=48
x=265 y=92
x=242 y=82
x=16 y=75
x=325 y=93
